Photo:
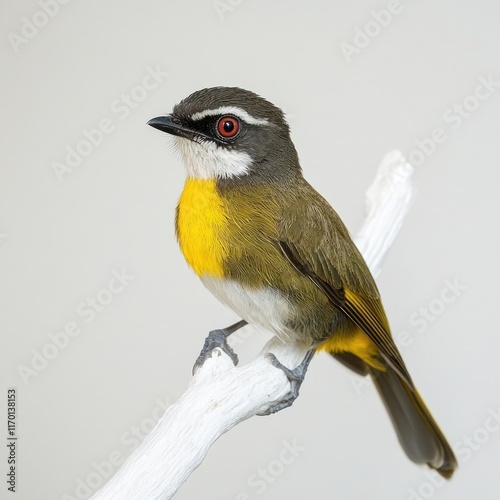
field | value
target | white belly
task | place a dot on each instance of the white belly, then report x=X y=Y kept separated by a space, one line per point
x=265 y=308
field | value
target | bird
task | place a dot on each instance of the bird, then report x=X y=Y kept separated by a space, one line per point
x=270 y=247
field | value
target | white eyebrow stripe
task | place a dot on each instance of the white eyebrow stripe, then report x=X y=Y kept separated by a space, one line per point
x=231 y=110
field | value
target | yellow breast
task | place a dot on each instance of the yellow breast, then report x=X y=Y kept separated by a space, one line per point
x=200 y=223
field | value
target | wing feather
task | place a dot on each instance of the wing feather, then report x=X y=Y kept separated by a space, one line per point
x=318 y=245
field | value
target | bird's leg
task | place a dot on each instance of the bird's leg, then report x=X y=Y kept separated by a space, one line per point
x=218 y=338
x=295 y=376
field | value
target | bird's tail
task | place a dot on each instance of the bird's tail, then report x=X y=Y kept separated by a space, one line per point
x=417 y=431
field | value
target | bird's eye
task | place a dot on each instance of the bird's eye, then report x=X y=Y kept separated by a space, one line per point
x=228 y=126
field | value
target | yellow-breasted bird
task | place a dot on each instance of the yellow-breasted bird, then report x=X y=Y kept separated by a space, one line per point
x=266 y=244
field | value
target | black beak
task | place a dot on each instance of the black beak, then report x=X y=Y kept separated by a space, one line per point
x=172 y=125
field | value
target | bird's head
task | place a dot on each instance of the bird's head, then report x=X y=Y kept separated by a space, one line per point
x=228 y=132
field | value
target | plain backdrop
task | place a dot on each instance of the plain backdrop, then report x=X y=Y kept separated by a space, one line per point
x=357 y=80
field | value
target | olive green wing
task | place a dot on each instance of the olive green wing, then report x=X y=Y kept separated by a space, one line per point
x=317 y=244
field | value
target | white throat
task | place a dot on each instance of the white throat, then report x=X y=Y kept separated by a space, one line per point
x=207 y=160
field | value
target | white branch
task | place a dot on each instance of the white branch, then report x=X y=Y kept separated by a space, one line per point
x=221 y=395
x=387 y=202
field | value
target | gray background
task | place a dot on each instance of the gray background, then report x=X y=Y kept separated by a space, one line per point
x=60 y=240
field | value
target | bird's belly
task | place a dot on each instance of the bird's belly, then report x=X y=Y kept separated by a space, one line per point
x=264 y=307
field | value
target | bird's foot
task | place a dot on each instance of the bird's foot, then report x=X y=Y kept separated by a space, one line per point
x=295 y=376
x=218 y=339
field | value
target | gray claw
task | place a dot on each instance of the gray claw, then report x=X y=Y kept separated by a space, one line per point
x=215 y=339
x=295 y=376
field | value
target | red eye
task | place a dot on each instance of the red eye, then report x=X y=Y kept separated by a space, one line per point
x=228 y=126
